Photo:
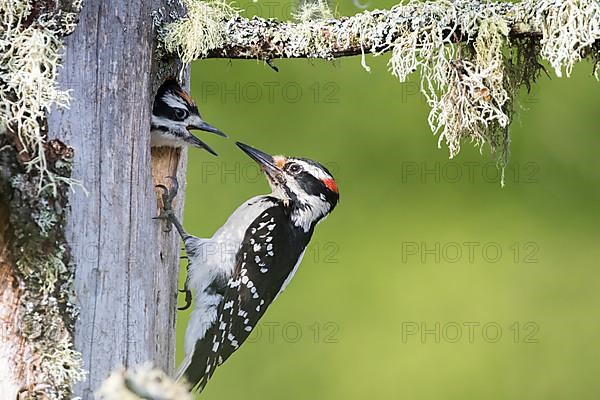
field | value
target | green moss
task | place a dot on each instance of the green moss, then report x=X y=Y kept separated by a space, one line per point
x=42 y=260
x=42 y=255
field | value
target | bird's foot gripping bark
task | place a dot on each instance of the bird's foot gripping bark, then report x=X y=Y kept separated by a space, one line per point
x=188 y=295
x=168 y=215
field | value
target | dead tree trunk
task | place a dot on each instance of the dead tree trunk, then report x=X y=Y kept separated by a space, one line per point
x=126 y=266
x=10 y=295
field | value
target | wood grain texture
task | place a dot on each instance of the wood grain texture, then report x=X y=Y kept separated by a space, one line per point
x=127 y=267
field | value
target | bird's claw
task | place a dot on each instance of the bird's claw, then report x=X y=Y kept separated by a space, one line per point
x=167 y=199
x=168 y=215
x=169 y=194
x=188 y=299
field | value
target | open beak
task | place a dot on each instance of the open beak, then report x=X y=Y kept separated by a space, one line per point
x=205 y=126
x=266 y=162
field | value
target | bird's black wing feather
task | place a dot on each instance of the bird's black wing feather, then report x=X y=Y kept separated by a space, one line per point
x=267 y=256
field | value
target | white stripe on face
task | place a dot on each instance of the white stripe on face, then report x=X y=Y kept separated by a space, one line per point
x=314 y=170
x=168 y=123
x=174 y=101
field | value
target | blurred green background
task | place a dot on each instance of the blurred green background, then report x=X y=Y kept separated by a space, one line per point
x=429 y=280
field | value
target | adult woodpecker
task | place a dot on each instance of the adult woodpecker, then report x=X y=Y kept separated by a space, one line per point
x=248 y=262
x=173 y=115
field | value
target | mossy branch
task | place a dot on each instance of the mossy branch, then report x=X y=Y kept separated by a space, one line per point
x=215 y=29
x=472 y=56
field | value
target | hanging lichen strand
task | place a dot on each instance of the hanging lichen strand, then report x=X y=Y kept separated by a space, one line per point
x=31 y=39
x=470 y=55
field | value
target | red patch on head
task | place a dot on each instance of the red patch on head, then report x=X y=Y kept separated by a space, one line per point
x=185 y=96
x=331 y=185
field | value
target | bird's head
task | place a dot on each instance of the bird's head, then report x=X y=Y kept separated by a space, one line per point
x=175 y=110
x=305 y=186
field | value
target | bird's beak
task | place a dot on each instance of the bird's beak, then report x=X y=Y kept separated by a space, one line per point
x=205 y=126
x=265 y=161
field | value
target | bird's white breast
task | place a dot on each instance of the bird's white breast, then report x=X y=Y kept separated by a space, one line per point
x=212 y=257
x=159 y=138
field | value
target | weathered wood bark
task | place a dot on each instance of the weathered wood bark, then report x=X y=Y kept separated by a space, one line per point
x=127 y=267
x=10 y=293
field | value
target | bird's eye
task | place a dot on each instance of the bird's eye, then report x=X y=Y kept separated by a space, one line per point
x=181 y=114
x=294 y=168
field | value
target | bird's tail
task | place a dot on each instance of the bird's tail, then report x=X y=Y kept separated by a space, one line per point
x=183 y=367
x=199 y=376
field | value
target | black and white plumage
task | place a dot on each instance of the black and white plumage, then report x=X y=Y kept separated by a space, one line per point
x=173 y=115
x=236 y=274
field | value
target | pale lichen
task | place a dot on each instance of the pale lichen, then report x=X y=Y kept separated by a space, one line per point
x=45 y=220
x=29 y=62
x=474 y=97
x=569 y=28
x=313 y=11
x=469 y=53
x=145 y=382
x=199 y=31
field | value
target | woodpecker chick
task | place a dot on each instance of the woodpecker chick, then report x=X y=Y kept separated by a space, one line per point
x=248 y=262
x=174 y=114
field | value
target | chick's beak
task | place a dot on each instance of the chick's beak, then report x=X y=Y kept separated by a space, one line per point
x=265 y=161
x=205 y=126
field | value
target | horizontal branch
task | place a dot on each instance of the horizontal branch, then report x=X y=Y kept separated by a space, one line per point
x=215 y=30
x=472 y=55
x=268 y=39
